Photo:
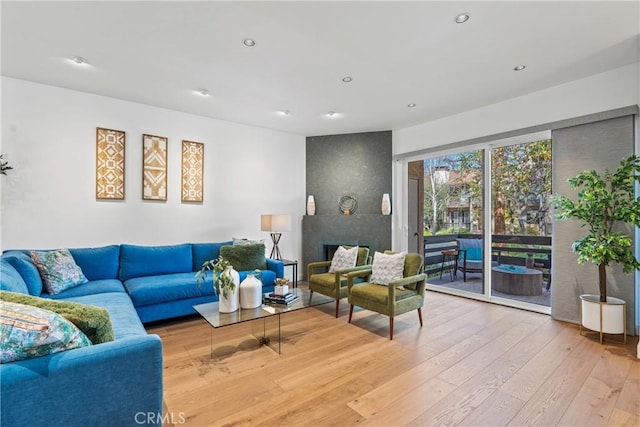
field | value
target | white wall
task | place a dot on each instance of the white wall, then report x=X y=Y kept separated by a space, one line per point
x=606 y=91
x=48 y=200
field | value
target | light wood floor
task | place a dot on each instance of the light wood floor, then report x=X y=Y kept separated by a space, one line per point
x=472 y=364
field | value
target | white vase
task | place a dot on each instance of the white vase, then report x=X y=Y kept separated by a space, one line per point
x=250 y=292
x=604 y=317
x=230 y=304
x=386 y=204
x=311 y=206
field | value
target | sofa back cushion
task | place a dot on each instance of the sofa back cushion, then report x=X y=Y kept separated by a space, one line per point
x=245 y=257
x=98 y=263
x=202 y=252
x=139 y=261
x=22 y=262
x=10 y=279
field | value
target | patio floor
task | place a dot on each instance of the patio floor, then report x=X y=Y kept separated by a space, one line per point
x=474 y=284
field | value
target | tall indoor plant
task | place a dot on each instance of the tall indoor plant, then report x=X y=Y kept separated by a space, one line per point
x=604 y=203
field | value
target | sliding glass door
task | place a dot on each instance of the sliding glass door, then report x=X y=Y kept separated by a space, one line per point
x=487 y=223
x=521 y=222
x=453 y=213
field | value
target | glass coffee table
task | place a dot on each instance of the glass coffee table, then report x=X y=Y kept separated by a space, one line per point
x=218 y=320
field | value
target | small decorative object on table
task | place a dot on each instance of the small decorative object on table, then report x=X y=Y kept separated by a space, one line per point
x=286 y=299
x=282 y=286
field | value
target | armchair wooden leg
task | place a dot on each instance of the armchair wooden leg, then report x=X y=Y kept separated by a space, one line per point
x=420 y=316
x=337 y=306
x=350 y=312
x=390 y=328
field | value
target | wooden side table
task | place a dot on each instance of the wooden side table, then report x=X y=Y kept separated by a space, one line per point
x=294 y=265
x=450 y=261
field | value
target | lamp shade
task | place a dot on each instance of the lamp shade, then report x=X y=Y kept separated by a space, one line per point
x=275 y=223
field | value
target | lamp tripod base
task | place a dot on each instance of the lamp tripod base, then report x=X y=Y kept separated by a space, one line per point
x=275 y=252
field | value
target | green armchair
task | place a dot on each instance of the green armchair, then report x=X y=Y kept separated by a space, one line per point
x=334 y=284
x=399 y=297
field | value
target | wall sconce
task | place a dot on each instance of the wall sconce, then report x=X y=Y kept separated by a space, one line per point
x=275 y=224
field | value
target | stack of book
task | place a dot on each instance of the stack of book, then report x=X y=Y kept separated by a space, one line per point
x=285 y=299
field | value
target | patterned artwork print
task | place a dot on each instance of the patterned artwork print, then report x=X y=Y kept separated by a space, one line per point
x=109 y=164
x=154 y=167
x=192 y=171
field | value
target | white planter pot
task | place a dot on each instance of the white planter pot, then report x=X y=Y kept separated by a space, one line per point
x=604 y=317
x=250 y=292
x=230 y=304
x=281 y=289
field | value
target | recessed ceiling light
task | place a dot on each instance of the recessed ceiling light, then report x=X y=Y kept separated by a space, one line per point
x=202 y=92
x=461 y=18
x=519 y=67
x=347 y=79
x=411 y=105
x=284 y=112
x=78 y=60
x=331 y=113
x=249 y=42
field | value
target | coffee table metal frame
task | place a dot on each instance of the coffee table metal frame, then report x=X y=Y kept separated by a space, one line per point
x=212 y=315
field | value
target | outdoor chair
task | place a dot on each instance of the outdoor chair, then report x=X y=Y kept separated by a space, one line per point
x=469 y=256
x=397 y=297
x=334 y=284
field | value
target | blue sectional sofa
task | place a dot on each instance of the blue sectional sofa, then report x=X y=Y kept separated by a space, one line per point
x=117 y=382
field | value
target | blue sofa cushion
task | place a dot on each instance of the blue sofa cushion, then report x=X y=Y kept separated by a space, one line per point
x=10 y=279
x=22 y=262
x=98 y=263
x=89 y=288
x=139 y=261
x=168 y=287
x=202 y=252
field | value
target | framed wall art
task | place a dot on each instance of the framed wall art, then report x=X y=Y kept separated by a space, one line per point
x=110 y=164
x=154 y=167
x=192 y=171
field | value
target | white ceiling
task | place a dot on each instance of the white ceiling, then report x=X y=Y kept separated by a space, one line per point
x=397 y=53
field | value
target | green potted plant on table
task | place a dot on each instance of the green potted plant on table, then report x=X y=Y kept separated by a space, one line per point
x=225 y=282
x=604 y=202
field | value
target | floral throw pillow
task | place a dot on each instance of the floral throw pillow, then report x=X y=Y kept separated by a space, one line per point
x=343 y=258
x=27 y=332
x=58 y=270
x=387 y=267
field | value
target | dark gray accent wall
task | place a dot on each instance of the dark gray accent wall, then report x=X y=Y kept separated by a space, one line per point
x=599 y=146
x=356 y=164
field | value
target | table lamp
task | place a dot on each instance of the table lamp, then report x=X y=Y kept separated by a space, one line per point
x=275 y=224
